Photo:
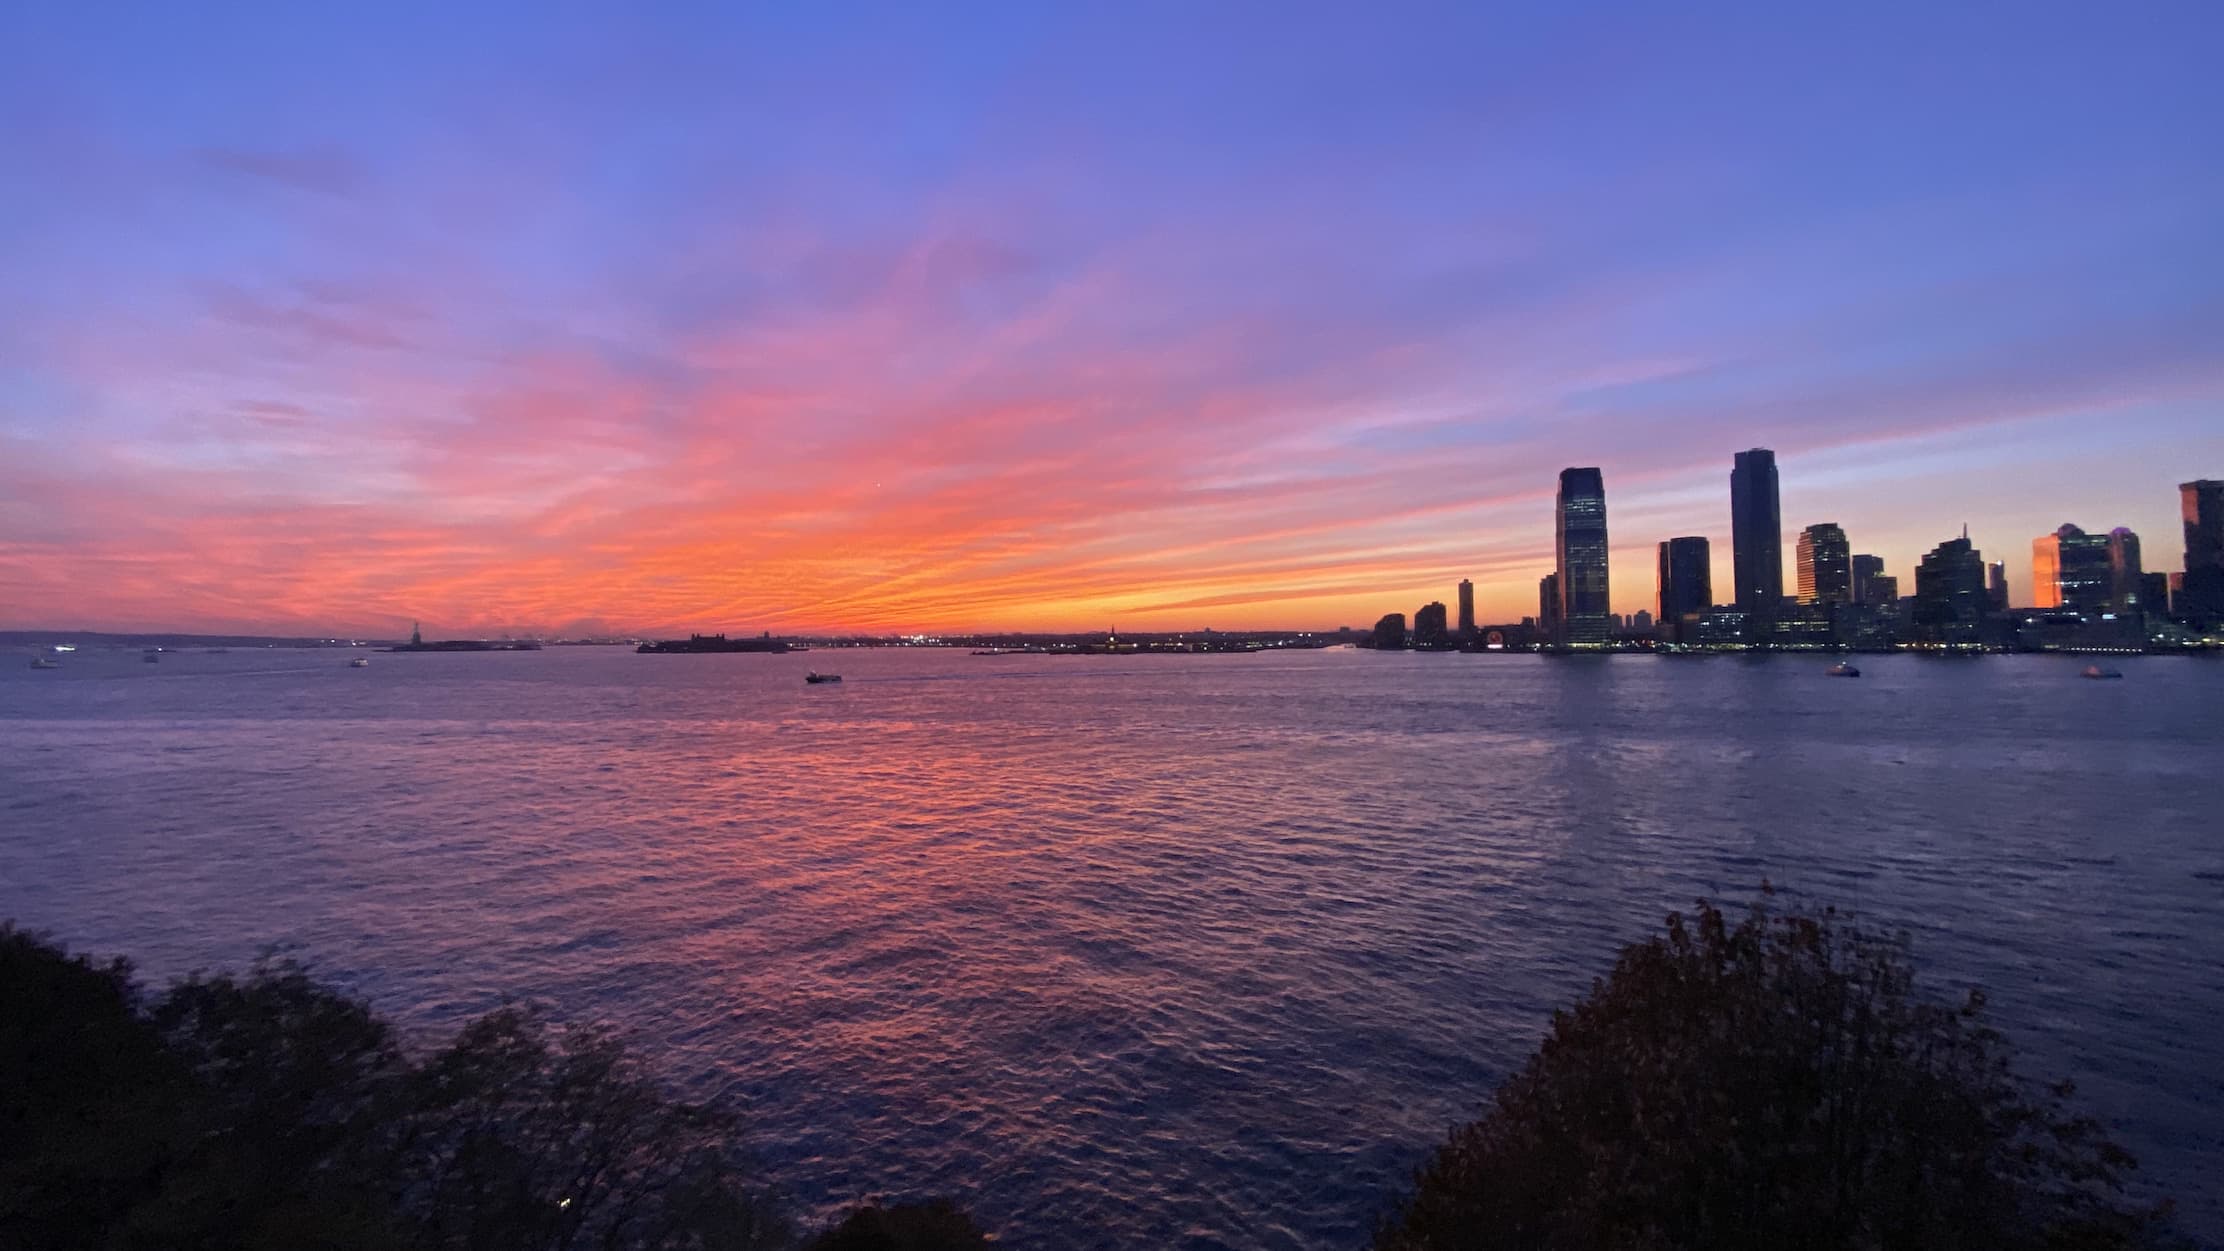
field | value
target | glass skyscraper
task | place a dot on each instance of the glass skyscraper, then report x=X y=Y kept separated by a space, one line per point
x=1825 y=565
x=1950 y=593
x=1686 y=584
x=1756 y=534
x=2069 y=569
x=1579 y=541
x=2200 y=592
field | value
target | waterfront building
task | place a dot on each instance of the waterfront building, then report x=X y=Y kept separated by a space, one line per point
x=1686 y=584
x=1389 y=634
x=1884 y=591
x=1865 y=569
x=1996 y=585
x=1825 y=565
x=2069 y=569
x=1641 y=622
x=2198 y=597
x=1467 y=610
x=2154 y=594
x=2125 y=576
x=1579 y=542
x=1429 y=629
x=1950 y=594
x=1756 y=534
x=1548 y=609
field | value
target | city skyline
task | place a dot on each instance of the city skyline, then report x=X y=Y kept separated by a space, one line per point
x=318 y=325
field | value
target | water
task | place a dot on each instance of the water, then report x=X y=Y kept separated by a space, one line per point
x=1193 y=952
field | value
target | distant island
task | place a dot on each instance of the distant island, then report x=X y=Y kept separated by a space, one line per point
x=417 y=643
x=714 y=643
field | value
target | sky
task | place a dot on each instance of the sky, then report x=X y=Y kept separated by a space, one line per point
x=579 y=318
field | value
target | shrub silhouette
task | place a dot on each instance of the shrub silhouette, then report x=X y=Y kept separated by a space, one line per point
x=1771 y=1084
x=936 y=1226
x=267 y=1111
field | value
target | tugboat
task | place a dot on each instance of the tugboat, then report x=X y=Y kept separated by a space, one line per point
x=1842 y=669
x=2095 y=671
x=814 y=677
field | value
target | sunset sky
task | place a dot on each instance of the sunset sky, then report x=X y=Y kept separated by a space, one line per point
x=324 y=318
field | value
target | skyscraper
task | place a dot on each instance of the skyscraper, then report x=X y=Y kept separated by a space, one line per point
x=1579 y=540
x=2202 y=505
x=1950 y=593
x=2126 y=579
x=1825 y=565
x=1996 y=586
x=2069 y=569
x=1866 y=570
x=1467 y=610
x=1548 y=608
x=1428 y=626
x=1686 y=584
x=2198 y=598
x=1756 y=534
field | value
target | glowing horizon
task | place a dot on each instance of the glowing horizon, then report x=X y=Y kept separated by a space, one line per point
x=526 y=322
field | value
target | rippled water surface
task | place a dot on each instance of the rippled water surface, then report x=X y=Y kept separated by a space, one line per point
x=1131 y=952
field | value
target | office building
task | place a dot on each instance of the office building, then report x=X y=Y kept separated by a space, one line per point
x=2069 y=570
x=1641 y=622
x=1756 y=534
x=1548 y=609
x=1686 y=586
x=2198 y=597
x=1467 y=610
x=1996 y=585
x=2126 y=579
x=1950 y=594
x=1865 y=570
x=2154 y=594
x=1429 y=628
x=1825 y=565
x=1579 y=542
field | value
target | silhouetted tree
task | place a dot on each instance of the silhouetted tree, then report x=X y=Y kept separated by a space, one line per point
x=267 y=1111
x=1775 y=1085
x=936 y=1226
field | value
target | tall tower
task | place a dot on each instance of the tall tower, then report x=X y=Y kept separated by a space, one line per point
x=1579 y=540
x=2069 y=569
x=1756 y=534
x=1686 y=584
x=2126 y=589
x=1825 y=565
x=1467 y=609
x=1866 y=570
x=2199 y=597
x=1950 y=593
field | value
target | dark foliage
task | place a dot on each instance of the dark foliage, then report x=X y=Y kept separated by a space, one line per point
x=270 y=1112
x=1772 y=1084
x=936 y=1226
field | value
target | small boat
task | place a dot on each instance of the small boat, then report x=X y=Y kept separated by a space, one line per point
x=1842 y=670
x=814 y=677
x=42 y=662
x=152 y=655
x=360 y=662
x=2095 y=671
